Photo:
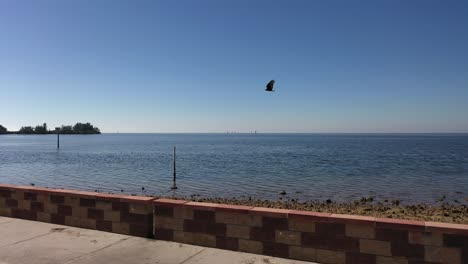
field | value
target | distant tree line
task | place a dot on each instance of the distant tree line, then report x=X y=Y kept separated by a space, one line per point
x=78 y=128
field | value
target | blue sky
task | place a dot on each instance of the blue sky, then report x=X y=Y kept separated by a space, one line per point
x=201 y=66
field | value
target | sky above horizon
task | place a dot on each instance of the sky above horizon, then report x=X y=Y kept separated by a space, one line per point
x=202 y=66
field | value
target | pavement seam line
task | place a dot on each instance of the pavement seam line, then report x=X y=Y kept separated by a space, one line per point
x=97 y=250
x=26 y=240
x=192 y=256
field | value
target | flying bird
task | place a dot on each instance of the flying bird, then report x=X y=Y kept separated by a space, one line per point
x=269 y=86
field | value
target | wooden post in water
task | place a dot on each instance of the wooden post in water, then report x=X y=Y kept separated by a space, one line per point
x=58 y=140
x=174 y=186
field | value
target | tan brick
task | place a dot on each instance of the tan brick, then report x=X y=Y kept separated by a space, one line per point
x=72 y=201
x=50 y=208
x=391 y=260
x=195 y=238
x=43 y=217
x=330 y=256
x=250 y=246
x=17 y=195
x=255 y=220
x=300 y=224
x=302 y=253
x=72 y=221
x=88 y=223
x=204 y=240
x=375 y=247
x=24 y=204
x=442 y=255
x=137 y=208
x=184 y=237
x=5 y=212
x=104 y=205
x=360 y=231
x=80 y=212
x=232 y=218
x=182 y=212
x=288 y=237
x=43 y=198
x=169 y=223
x=113 y=216
x=426 y=238
x=238 y=231
x=121 y=228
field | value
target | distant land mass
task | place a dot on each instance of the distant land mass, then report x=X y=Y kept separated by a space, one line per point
x=78 y=128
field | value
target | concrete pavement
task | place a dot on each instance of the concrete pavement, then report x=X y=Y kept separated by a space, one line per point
x=35 y=242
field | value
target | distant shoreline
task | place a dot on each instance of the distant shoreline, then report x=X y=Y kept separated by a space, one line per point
x=49 y=133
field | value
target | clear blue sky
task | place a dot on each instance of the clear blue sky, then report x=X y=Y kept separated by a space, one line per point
x=201 y=66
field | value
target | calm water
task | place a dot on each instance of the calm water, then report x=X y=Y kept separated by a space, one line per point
x=412 y=168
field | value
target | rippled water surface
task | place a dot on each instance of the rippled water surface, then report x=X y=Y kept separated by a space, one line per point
x=412 y=168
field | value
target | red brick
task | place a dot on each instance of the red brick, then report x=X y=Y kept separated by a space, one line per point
x=30 y=196
x=360 y=258
x=275 y=249
x=273 y=223
x=11 y=203
x=5 y=193
x=447 y=228
x=95 y=214
x=455 y=240
x=65 y=210
x=400 y=224
x=344 y=244
x=330 y=230
x=407 y=250
x=23 y=214
x=104 y=225
x=204 y=216
x=205 y=228
x=58 y=199
x=164 y=211
x=135 y=218
x=419 y=261
x=313 y=240
x=164 y=234
x=140 y=230
x=85 y=202
x=37 y=207
x=260 y=234
x=120 y=206
x=57 y=219
x=228 y=243
x=395 y=235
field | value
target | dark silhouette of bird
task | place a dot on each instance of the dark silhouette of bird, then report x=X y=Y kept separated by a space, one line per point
x=269 y=86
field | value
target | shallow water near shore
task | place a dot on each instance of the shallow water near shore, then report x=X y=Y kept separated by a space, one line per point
x=412 y=168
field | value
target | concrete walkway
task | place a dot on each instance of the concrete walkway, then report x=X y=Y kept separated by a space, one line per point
x=34 y=242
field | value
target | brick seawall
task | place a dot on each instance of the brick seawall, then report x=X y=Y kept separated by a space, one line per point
x=301 y=235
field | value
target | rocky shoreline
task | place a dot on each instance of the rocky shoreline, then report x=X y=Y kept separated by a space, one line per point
x=443 y=212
